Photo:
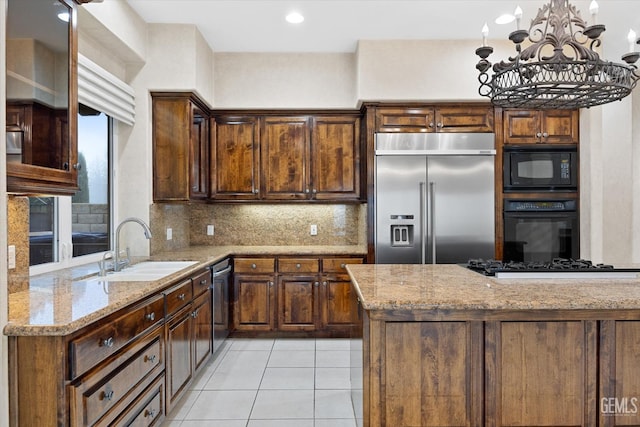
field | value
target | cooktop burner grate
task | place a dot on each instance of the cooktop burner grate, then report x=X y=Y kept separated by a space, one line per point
x=491 y=267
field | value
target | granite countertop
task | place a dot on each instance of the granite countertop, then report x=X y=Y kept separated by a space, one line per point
x=454 y=287
x=62 y=302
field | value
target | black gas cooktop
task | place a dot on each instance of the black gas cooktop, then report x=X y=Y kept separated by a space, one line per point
x=558 y=265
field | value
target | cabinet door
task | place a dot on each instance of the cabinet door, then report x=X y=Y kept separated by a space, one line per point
x=335 y=158
x=285 y=158
x=202 y=329
x=179 y=355
x=541 y=373
x=235 y=159
x=339 y=304
x=199 y=154
x=464 y=119
x=560 y=126
x=298 y=303
x=405 y=120
x=521 y=126
x=171 y=149
x=254 y=302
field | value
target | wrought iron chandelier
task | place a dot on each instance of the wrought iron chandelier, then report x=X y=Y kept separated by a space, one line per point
x=559 y=68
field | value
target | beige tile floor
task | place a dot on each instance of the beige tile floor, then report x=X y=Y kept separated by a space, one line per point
x=269 y=383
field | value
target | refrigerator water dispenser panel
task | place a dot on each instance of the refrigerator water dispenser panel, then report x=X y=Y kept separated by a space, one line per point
x=401 y=235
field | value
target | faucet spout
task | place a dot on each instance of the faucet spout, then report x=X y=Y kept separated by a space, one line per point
x=118 y=264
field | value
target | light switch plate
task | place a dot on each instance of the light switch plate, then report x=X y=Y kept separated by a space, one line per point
x=11 y=254
x=210 y=230
x=169 y=234
x=313 y=230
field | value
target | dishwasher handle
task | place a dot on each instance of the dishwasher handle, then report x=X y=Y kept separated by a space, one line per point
x=221 y=272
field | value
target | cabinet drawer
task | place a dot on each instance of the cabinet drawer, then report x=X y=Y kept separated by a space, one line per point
x=148 y=410
x=93 y=347
x=178 y=296
x=298 y=265
x=109 y=389
x=201 y=282
x=254 y=265
x=337 y=265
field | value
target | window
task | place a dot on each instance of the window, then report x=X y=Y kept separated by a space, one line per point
x=63 y=228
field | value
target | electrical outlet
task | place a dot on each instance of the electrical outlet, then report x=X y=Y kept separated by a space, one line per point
x=11 y=254
x=313 y=230
x=169 y=234
x=210 y=230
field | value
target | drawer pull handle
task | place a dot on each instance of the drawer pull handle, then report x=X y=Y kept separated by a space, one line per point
x=150 y=316
x=298 y=266
x=150 y=413
x=181 y=297
x=195 y=313
x=254 y=266
x=107 y=342
x=107 y=395
x=151 y=358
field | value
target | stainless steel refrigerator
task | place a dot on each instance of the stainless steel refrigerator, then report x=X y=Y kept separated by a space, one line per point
x=434 y=197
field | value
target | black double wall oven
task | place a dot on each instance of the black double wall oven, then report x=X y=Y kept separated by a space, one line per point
x=540 y=210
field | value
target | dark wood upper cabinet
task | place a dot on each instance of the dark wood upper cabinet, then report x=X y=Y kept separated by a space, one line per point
x=42 y=97
x=180 y=147
x=235 y=158
x=470 y=118
x=284 y=157
x=541 y=126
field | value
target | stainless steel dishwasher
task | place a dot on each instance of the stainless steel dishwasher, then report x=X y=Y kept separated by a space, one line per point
x=220 y=273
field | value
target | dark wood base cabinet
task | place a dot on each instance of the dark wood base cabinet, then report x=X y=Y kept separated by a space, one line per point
x=520 y=369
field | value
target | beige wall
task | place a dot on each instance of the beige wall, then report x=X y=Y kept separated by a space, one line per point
x=285 y=80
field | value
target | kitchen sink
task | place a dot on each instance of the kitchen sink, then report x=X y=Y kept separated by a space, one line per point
x=145 y=271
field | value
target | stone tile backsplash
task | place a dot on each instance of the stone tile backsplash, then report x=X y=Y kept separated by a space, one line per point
x=257 y=224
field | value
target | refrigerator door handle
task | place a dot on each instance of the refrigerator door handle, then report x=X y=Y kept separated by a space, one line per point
x=432 y=215
x=423 y=222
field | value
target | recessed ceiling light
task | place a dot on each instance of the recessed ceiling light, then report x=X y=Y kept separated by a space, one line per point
x=507 y=18
x=294 y=18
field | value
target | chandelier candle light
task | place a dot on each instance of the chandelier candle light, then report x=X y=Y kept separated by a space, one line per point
x=560 y=67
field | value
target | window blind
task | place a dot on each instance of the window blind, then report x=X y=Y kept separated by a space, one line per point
x=101 y=90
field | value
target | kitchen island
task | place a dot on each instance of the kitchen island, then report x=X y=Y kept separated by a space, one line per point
x=445 y=346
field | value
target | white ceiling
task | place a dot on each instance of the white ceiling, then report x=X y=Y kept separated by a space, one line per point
x=337 y=25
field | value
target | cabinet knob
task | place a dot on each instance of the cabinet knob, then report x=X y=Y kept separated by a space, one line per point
x=343 y=265
x=151 y=358
x=538 y=135
x=298 y=266
x=255 y=191
x=65 y=166
x=316 y=284
x=181 y=297
x=150 y=316
x=107 y=394
x=545 y=134
x=440 y=125
x=107 y=342
x=77 y=166
x=306 y=191
x=254 y=266
x=270 y=283
x=314 y=191
x=203 y=282
x=194 y=188
x=431 y=124
x=194 y=314
x=150 y=413
x=324 y=283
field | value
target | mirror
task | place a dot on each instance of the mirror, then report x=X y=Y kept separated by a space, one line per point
x=38 y=76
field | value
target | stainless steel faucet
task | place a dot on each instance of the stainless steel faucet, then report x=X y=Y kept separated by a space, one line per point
x=117 y=263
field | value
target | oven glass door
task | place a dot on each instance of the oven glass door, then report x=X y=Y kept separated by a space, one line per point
x=540 y=236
